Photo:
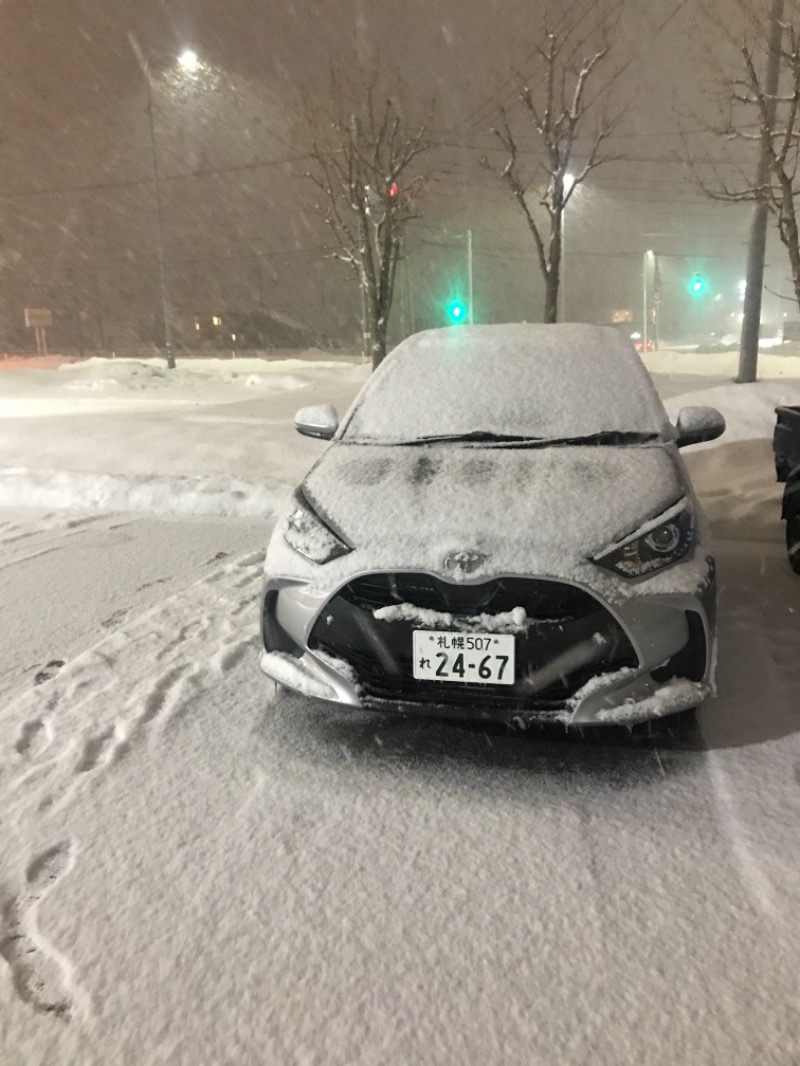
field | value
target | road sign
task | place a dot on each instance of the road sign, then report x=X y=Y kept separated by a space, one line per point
x=38 y=317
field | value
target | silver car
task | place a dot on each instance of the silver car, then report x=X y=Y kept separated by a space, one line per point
x=501 y=527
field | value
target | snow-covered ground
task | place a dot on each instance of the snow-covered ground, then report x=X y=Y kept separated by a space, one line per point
x=194 y=869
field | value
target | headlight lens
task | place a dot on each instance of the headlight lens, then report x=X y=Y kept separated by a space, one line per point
x=310 y=537
x=655 y=545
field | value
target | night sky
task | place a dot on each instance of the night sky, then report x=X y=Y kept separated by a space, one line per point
x=75 y=179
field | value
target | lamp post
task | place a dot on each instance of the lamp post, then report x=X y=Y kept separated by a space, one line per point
x=470 y=313
x=645 y=258
x=189 y=62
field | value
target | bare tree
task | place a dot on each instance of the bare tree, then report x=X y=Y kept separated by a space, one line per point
x=362 y=166
x=563 y=100
x=760 y=116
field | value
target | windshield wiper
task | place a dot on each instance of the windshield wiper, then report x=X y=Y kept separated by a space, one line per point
x=476 y=436
x=480 y=436
x=610 y=437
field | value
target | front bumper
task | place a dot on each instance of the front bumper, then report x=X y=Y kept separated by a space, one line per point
x=583 y=662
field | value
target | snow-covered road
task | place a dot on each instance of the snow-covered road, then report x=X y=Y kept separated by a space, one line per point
x=196 y=870
x=57 y=601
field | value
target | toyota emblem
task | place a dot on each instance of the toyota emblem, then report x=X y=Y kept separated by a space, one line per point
x=464 y=561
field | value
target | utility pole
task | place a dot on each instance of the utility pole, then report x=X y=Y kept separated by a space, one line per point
x=644 y=301
x=260 y=281
x=470 y=314
x=162 y=266
x=751 y=321
x=656 y=301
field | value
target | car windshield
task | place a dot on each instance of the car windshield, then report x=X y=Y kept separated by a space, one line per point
x=512 y=385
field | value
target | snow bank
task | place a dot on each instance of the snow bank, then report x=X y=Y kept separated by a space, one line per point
x=720 y=364
x=98 y=384
x=217 y=495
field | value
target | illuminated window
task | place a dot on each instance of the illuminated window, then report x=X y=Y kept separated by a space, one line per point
x=217 y=320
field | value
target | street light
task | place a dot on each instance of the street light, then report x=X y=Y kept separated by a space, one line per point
x=188 y=61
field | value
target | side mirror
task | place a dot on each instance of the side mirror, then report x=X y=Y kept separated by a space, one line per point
x=320 y=421
x=698 y=424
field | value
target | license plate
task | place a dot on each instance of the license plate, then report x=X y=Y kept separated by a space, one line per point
x=480 y=658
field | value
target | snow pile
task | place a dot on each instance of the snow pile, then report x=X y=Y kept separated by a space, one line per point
x=513 y=621
x=206 y=442
x=721 y=364
x=675 y=695
x=140 y=375
x=215 y=495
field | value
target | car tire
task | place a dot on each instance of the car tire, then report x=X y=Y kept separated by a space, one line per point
x=793 y=541
x=782 y=469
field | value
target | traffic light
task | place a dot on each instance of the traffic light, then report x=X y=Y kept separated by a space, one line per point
x=697 y=285
x=456 y=311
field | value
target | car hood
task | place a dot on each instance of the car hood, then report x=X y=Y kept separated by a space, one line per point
x=525 y=510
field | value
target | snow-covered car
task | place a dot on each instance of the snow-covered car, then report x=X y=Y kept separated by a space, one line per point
x=501 y=527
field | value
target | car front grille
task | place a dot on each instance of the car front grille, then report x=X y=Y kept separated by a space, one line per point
x=380 y=652
x=542 y=600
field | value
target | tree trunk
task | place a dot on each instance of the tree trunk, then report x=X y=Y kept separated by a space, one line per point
x=377 y=328
x=378 y=351
x=553 y=279
x=551 y=296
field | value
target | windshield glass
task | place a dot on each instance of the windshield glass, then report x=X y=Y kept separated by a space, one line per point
x=517 y=383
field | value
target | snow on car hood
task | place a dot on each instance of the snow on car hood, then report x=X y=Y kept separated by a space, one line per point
x=540 y=510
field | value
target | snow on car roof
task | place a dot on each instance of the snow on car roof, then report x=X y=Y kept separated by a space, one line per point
x=522 y=380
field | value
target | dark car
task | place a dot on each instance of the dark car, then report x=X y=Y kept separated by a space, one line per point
x=786 y=446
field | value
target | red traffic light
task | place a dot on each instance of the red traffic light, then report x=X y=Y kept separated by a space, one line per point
x=393 y=190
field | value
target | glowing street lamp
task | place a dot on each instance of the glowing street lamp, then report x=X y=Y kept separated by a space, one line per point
x=188 y=61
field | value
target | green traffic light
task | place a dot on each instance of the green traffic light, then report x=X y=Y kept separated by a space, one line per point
x=697 y=285
x=456 y=311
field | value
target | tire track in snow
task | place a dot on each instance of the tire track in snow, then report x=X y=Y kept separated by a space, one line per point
x=132 y=686
x=765 y=684
x=23 y=541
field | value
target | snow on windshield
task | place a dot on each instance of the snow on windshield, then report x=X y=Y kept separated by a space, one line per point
x=519 y=380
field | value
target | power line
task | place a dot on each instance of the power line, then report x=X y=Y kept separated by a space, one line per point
x=138 y=182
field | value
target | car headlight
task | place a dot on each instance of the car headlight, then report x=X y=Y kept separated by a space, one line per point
x=307 y=534
x=655 y=545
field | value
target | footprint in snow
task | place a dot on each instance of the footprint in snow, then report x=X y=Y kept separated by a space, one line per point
x=33 y=738
x=38 y=975
x=48 y=671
